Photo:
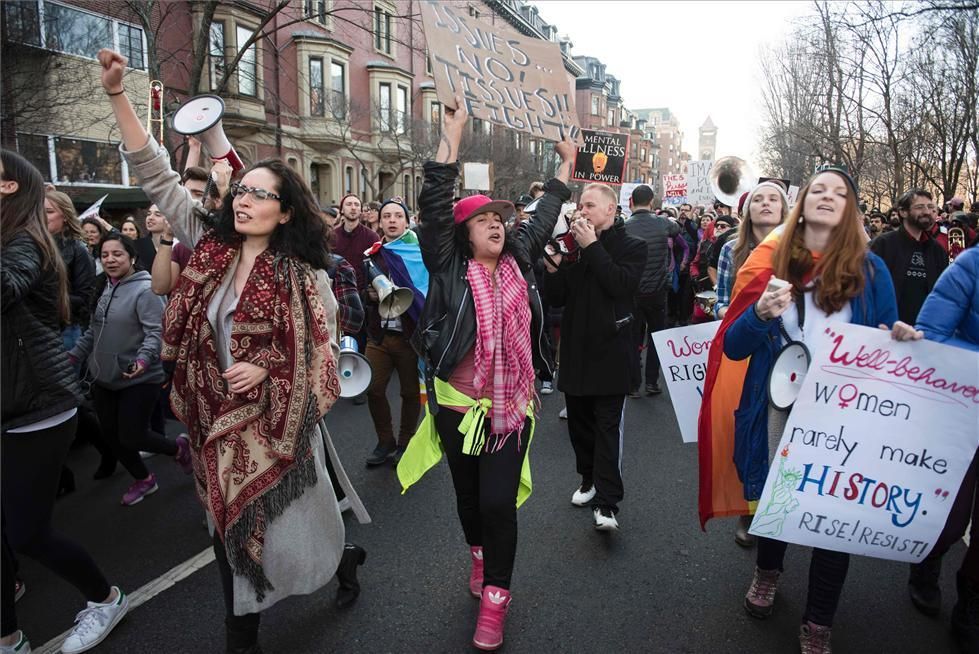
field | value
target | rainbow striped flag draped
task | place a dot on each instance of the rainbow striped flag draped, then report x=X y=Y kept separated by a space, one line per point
x=721 y=490
x=403 y=257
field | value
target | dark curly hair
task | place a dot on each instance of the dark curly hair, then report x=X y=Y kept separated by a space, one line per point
x=303 y=236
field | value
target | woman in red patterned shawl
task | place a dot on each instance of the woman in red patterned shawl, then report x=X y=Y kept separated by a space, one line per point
x=248 y=328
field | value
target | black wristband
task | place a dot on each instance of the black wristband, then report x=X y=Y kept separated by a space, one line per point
x=164 y=241
x=117 y=92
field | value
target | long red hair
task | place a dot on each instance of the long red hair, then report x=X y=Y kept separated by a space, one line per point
x=840 y=272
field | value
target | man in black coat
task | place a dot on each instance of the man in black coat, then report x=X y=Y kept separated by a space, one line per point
x=597 y=292
x=912 y=255
x=654 y=285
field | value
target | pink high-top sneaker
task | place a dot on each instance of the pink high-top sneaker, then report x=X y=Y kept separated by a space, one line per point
x=476 y=575
x=492 y=616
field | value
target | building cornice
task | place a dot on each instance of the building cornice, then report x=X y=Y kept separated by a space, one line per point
x=315 y=37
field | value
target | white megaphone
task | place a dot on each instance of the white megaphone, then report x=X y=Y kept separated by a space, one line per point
x=563 y=224
x=353 y=368
x=201 y=117
x=392 y=300
x=788 y=373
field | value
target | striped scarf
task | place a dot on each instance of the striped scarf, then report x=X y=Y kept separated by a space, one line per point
x=503 y=359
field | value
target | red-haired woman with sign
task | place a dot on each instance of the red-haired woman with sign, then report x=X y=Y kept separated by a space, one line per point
x=481 y=336
x=829 y=275
x=950 y=315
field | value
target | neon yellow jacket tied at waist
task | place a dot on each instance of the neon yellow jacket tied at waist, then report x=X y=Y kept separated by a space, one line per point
x=425 y=448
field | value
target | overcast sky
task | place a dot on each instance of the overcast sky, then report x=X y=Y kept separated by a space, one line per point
x=697 y=58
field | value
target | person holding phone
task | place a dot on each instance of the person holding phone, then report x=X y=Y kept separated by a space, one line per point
x=815 y=270
x=121 y=349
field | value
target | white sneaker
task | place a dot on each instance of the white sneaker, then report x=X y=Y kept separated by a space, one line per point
x=582 y=497
x=563 y=413
x=546 y=388
x=94 y=623
x=605 y=519
x=22 y=646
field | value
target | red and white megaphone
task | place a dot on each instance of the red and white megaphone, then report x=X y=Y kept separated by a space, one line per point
x=201 y=117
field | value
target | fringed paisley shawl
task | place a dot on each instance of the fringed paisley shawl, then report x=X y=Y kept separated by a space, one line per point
x=252 y=451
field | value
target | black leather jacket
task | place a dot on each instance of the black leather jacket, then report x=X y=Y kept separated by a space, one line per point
x=447 y=329
x=38 y=380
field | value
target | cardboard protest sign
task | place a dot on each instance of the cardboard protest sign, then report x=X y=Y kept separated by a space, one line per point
x=502 y=76
x=674 y=190
x=601 y=158
x=683 y=358
x=876 y=445
x=477 y=176
x=625 y=194
x=698 y=182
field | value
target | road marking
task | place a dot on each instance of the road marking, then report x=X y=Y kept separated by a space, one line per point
x=146 y=592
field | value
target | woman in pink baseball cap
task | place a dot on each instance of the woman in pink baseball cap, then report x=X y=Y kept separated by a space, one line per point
x=481 y=337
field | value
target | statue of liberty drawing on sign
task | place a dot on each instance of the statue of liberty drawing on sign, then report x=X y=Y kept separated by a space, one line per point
x=768 y=520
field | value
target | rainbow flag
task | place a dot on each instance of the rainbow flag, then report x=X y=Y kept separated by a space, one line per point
x=404 y=262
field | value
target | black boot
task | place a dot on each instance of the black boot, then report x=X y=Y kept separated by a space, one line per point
x=926 y=595
x=965 y=616
x=242 y=634
x=349 y=590
x=67 y=482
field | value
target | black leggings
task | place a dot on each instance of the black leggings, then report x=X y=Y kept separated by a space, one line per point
x=827 y=572
x=486 y=494
x=964 y=509
x=242 y=629
x=31 y=464
x=124 y=416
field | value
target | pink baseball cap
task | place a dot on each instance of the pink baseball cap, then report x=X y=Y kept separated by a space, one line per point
x=474 y=205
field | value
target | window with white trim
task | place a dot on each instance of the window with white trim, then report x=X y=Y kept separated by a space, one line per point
x=71 y=30
x=338 y=88
x=401 y=115
x=435 y=112
x=384 y=106
x=363 y=184
x=316 y=10
x=216 y=53
x=316 y=104
x=383 y=20
x=594 y=105
x=348 y=180
x=248 y=64
x=67 y=160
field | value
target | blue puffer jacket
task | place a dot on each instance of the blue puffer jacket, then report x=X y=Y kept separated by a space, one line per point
x=761 y=340
x=951 y=312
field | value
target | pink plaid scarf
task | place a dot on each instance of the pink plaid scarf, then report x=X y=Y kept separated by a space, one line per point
x=503 y=360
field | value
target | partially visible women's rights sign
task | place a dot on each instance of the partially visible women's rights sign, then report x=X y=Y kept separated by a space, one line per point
x=876 y=446
x=503 y=77
x=683 y=357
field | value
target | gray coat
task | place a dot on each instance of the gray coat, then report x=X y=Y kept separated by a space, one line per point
x=126 y=325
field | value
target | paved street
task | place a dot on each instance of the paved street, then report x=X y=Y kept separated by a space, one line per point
x=660 y=585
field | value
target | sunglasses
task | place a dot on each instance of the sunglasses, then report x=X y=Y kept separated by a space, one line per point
x=238 y=190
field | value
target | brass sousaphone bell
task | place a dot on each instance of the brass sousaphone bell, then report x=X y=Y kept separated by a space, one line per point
x=730 y=178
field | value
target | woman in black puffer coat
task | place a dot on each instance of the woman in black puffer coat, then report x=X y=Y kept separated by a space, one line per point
x=38 y=414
